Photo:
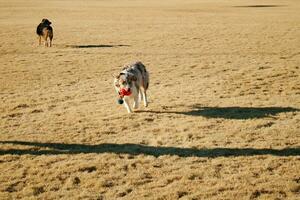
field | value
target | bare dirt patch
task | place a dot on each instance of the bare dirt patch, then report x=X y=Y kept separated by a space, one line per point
x=223 y=120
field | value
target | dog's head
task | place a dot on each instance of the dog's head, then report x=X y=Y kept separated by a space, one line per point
x=124 y=81
x=46 y=22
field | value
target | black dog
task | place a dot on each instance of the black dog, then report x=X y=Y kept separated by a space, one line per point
x=45 y=30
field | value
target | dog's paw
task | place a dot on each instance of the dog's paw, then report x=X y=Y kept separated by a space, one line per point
x=135 y=106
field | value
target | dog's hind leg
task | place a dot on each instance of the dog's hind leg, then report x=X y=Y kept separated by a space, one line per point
x=46 y=41
x=40 y=40
x=45 y=36
x=140 y=96
x=51 y=37
x=145 y=97
x=145 y=87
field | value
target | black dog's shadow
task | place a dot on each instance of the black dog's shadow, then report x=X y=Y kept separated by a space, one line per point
x=137 y=149
x=259 y=6
x=97 y=46
x=232 y=112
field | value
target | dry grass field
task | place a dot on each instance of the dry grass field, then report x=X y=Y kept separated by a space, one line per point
x=223 y=120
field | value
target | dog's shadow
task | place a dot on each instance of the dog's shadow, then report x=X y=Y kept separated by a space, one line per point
x=97 y=46
x=231 y=112
x=259 y=6
x=34 y=148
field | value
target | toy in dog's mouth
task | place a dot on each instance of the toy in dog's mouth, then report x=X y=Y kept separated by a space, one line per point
x=123 y=92
x=120 y=101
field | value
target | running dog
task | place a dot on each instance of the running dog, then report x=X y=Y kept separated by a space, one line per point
x=44 y=30
x=132 y=83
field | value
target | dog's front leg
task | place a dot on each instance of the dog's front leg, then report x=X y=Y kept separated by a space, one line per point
x=127 y=106
x=40 y=40
x=140 y=96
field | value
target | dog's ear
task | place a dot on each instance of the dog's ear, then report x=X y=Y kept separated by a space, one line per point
x=46 y=21
x=116 y=76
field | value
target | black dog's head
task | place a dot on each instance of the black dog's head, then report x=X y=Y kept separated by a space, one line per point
x=46 y=22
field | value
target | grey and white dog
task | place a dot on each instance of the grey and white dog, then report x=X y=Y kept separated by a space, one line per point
x=132 y=83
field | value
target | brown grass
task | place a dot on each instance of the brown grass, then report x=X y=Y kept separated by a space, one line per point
x=223 y=120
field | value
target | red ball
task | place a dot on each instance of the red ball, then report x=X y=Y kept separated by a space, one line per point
x=124 y=92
